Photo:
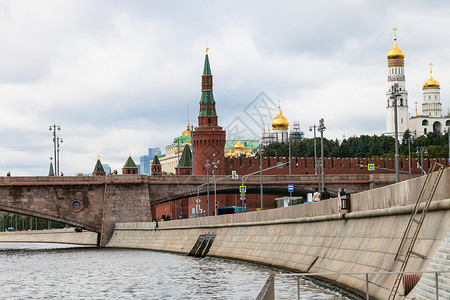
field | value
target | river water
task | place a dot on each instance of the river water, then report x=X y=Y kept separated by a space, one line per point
x=56 y=271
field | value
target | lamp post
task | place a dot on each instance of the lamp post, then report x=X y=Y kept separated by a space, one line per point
x=261 y=150
x=58 y=143
x=315 y=150
x=394 y=95
x=55 y=127
x=290 y=159
x=409 y=152
x=214 y=178
x=448 y=134
x=321 y=130
x=207 y=184
x=422 y=150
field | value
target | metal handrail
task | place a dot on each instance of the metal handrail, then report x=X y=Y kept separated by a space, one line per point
x=298 y=275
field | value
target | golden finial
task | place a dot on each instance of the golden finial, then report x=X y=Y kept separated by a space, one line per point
x=207 y=51
x=431 y=68
x=415 y=103
x=99 y=156
x=395 y=33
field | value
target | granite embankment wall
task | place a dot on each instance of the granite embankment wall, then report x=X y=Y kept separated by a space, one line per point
x=65 y=236
x=312 y=237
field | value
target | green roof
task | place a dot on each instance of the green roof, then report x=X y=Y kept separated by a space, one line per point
x=206 y=67
x=99 y=168
x=130 y=164
x=186 y=158
x=155 y=160
x=50 y=171
x=247 y=144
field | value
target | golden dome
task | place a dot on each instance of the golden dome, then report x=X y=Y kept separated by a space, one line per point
x=431 y=83
x=248 y=154
x=280 y=122
x=187 y=131
x=229 y=154
x=238 y=146
x=395 y=53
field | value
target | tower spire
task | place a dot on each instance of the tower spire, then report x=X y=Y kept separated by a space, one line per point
x=207 y=103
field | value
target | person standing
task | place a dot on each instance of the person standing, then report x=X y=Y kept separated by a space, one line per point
x=316 y=196
x=325 y=194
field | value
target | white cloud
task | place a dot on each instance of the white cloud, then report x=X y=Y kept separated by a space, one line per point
x=117 y=75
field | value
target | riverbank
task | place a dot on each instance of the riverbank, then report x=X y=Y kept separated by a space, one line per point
x=63 y=236
x=312 y=237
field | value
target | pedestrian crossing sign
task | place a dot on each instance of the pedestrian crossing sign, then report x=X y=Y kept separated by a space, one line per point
x=371 y=167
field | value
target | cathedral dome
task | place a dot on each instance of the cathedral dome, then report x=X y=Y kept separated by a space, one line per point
x=431 y=83
x=238 y=146
x=395 y=53
x=187 y=131
x=280 y=122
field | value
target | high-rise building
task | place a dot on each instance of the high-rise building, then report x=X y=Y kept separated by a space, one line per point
x=145 y=160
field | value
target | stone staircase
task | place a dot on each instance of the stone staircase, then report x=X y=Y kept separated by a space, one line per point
x=426 y=288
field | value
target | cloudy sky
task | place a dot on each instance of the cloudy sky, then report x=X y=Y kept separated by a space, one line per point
x=118 y=76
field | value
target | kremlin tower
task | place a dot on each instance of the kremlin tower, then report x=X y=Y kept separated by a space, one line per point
x=208 y=138
x=396 y=64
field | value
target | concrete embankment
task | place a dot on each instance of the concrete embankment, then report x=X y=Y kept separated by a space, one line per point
x=312 y=237
x=64 y=236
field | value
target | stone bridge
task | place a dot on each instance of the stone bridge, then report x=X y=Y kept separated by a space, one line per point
x=97 y=203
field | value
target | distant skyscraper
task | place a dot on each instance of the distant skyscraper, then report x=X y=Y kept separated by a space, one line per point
x=153 y=151
x=144 y=165
x=107 y=168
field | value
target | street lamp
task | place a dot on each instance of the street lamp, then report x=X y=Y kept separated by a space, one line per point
x=422 y=150
x=214 y=178
x=321 y=130
x=55 y=127
x=207 y=184
x=290 y=159
x=261 y=150
x=394 y=95
x=58 y=143
x=315 y=150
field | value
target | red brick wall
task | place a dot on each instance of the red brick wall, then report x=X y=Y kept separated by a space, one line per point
x=332 y=165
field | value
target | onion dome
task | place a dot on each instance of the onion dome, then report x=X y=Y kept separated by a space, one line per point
x=431 y=83
x=395 y=53
x=248 y=154
x=229 y=154
x=238 y=146
x=280 y=122
x=187 y=132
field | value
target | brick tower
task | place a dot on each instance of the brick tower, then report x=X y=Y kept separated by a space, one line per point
x=208 y=138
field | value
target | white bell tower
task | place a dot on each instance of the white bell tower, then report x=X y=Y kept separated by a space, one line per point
x=396 y=75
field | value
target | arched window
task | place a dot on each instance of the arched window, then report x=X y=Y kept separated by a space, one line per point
x=447 y=123
x=424 y=131
x=425 y=123
x=401 y=101
x=437 y=127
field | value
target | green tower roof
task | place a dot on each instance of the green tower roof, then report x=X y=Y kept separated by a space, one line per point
x=186 y=158
x=206 y=67
x=99 y=168
x=50 y=171
x=130 y=164
x=155 y=160
x=207 y=103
